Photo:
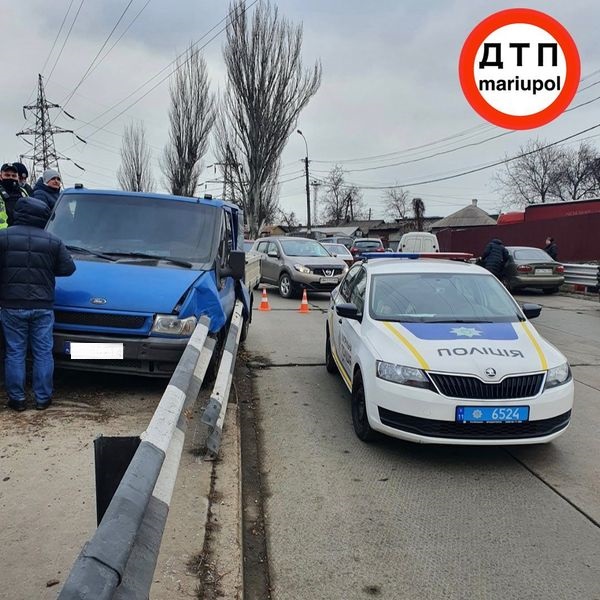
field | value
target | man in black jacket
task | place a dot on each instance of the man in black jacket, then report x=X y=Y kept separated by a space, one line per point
x=23 y=175
x=551 y=248
x=47 y=187
x=494 y=257
x=10 y=189
x=30 y=258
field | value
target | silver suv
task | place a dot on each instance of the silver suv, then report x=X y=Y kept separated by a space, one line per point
x=296 y=263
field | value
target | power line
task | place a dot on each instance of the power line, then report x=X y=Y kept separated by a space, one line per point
x=54 y=43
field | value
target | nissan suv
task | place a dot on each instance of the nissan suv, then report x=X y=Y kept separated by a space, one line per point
x=294 y=264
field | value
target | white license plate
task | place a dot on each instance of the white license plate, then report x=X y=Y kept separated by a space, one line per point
x=93 y=350
x=329 y=280
x=543 y=271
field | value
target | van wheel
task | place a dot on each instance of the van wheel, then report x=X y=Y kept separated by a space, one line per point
x=286 y=286
x=215 y=360
x=329 y=362
x=247 y=321
x=360 y=420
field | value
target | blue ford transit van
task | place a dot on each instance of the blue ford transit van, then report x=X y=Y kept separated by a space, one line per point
x=148 y=267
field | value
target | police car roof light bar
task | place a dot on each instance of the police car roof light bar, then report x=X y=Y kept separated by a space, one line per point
x=464 y=256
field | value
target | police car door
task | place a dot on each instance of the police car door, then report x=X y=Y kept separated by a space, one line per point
x=349 y=329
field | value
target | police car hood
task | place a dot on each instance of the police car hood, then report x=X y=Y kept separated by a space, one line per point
x=466 y=348
x=124 y=287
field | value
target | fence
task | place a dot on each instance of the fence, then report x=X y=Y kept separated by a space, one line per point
x=582 y=274
x=119 y=561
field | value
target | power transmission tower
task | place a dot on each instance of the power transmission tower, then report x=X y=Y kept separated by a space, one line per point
x=43 y=154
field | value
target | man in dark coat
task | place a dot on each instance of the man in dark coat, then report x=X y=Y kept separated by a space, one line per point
x=10 y=189
x=494 y=257
x=30 y=259
x=47 y=187
x=551 y=248
x=23 y=175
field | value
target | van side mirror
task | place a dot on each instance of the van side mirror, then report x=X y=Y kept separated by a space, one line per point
x=237 y=264
x=531 y=311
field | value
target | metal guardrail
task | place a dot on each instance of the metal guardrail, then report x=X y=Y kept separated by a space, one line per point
x=582 y=274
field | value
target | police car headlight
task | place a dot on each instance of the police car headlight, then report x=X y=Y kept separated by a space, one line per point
x=302 y=269
x=403 y=375
x=171 y=325
x=557 y=376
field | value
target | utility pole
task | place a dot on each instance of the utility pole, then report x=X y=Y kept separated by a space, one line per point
x=43 y=154
x=315 y=186
x=308 y=225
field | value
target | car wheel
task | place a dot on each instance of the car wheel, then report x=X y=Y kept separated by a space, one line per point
x=360 y=420
x=553 y=290
x=286 y=286
x=329 y=362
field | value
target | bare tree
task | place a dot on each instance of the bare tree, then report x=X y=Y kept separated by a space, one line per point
x=575 y=178
x=333 y=203
x=396 y=201
x=135 y=173
x=289 y=219
x=191 y=117
x=418 y=207
x=531 y=178
x=266 y=90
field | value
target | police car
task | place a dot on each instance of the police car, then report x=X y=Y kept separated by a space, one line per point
x=437 y=351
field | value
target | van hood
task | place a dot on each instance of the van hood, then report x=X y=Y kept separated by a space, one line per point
x=124 y=287
x=478 y=349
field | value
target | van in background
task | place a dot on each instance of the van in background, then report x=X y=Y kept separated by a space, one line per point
x=418 y=241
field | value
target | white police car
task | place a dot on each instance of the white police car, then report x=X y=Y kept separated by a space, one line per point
x=437 y=351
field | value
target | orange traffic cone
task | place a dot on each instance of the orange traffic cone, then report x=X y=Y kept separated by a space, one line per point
x=264 y=302
x=304 y=304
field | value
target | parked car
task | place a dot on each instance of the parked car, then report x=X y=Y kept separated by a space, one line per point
x=366 y=245
x=293 y=264
x=532 y=268
x=437 y=351
x=148 y=267
x=338 y=239
x=418 y=241
x=340 y=251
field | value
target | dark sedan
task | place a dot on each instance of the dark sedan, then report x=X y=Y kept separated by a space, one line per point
x=532 y=268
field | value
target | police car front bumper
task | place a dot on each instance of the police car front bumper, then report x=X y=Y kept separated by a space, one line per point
x=424 y=416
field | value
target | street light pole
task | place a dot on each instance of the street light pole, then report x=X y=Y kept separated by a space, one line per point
x=308 y=228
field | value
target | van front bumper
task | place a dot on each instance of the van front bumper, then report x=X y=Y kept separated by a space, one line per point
x=149 y=356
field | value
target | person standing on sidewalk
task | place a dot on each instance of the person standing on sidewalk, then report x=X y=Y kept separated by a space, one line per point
x=30 y=259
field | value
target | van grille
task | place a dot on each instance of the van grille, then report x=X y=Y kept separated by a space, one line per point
x=455 y=386
x=64 y=317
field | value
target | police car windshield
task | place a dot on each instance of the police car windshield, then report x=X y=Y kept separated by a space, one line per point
x=440 y=298
x=135 y=225
x=303 y=248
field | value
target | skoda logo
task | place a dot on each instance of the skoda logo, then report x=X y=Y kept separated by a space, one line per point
x=98 y=300
x=490 y=372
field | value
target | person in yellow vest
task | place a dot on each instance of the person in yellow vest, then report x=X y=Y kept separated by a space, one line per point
x=10 y=189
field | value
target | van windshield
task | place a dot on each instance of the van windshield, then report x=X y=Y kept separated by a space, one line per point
x=106 y=223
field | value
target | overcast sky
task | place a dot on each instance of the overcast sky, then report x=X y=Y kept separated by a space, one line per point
x=390 y=84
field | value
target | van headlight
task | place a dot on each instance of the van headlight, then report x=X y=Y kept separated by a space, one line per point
x=558 y=376
x=302 y=269
x=172 y=325
x=403 y=375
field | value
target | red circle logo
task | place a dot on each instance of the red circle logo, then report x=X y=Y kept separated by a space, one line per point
x=519 y=68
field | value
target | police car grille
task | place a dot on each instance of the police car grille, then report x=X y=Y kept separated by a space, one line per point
x=455 y=386
x=480 y=431
x=64 y=317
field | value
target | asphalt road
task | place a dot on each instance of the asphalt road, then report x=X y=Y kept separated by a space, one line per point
x=346 y=520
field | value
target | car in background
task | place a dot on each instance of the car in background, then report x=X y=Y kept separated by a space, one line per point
x=529 y=267
x=439 y=352
x=366 y=245
x=340 y=251
x=294 y=263
x=418 y=241
x=338 y=239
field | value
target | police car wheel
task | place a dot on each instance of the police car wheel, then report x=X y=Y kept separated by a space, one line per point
x=360 y=421
x=329 y=362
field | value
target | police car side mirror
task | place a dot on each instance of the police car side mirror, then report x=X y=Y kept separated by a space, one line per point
x=348 y=311
x=531 y=311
